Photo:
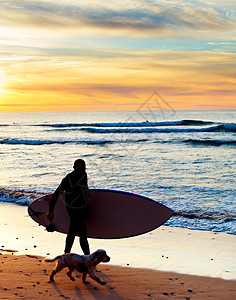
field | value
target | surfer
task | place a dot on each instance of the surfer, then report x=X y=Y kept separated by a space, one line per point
x=75 y=185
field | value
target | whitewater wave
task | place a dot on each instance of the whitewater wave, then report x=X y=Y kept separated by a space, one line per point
x=209 y=142
x=30 y=142
x=131 y=124
x=145 y=127
x=223 y=217
x=21 y=197
x=220 y=128
x=195 y=122
x=197 y=142
x=49 y=142
x=119 y=124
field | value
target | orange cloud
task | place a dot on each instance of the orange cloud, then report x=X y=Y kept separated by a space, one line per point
x=187 y=80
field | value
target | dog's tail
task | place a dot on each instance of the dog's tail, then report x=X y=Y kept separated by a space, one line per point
x=53 y=259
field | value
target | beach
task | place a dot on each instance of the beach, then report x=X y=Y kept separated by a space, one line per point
x=118 y=125
x=166 y=263
x=27 y=277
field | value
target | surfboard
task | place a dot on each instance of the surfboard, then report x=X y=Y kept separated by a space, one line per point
x=111 y=214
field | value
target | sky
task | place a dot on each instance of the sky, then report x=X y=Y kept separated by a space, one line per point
x=75 y=55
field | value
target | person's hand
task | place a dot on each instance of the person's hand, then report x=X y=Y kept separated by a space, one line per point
x=50 y=216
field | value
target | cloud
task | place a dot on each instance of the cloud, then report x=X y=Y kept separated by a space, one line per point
x=68 y=51
x=121 y=75
x=146 y=19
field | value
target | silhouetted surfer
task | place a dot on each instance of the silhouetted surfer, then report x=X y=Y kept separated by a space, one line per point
x=76 y=187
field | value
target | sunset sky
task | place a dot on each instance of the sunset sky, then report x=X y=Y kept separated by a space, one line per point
x=112 y=55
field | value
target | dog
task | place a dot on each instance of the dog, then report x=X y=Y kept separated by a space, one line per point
x=85 y=264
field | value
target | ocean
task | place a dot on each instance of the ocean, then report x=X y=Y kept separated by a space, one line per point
x=182 y=159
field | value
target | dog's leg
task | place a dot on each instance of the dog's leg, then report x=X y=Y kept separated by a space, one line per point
x=58 y=269
x=94 y=277
x=69 y=273
x=52 y=275
x=84 y=274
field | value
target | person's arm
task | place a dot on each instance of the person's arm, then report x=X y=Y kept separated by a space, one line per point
x=85 y=189
x=54 y=198
x=85 y=182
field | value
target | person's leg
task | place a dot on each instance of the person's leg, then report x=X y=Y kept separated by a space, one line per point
x=77 y=225
x=71 y=235
x=83 y=238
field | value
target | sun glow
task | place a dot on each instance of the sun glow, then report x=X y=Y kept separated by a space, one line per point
x=61 y=57
x=2 y=80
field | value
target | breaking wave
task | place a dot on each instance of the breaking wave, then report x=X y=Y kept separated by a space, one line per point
x=131 y=124
x=139 y=127
x=223 y=217
x=153 y=129
x=21 y=197
x=194 y=142
x=210 y=142
x=49 y=142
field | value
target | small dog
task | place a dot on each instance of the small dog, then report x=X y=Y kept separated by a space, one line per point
x=85 y=264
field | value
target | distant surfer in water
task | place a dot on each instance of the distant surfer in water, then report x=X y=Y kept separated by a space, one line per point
x=75 y=185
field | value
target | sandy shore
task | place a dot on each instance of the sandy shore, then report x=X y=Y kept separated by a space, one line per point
x=150 y=266
x=27 y=277
x=171 y=249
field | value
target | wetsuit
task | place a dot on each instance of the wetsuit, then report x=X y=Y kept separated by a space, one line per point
x=76 y=187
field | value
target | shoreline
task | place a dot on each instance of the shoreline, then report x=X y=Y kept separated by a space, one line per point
x=27 y=277
x=179 y=218
x=171 y=249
